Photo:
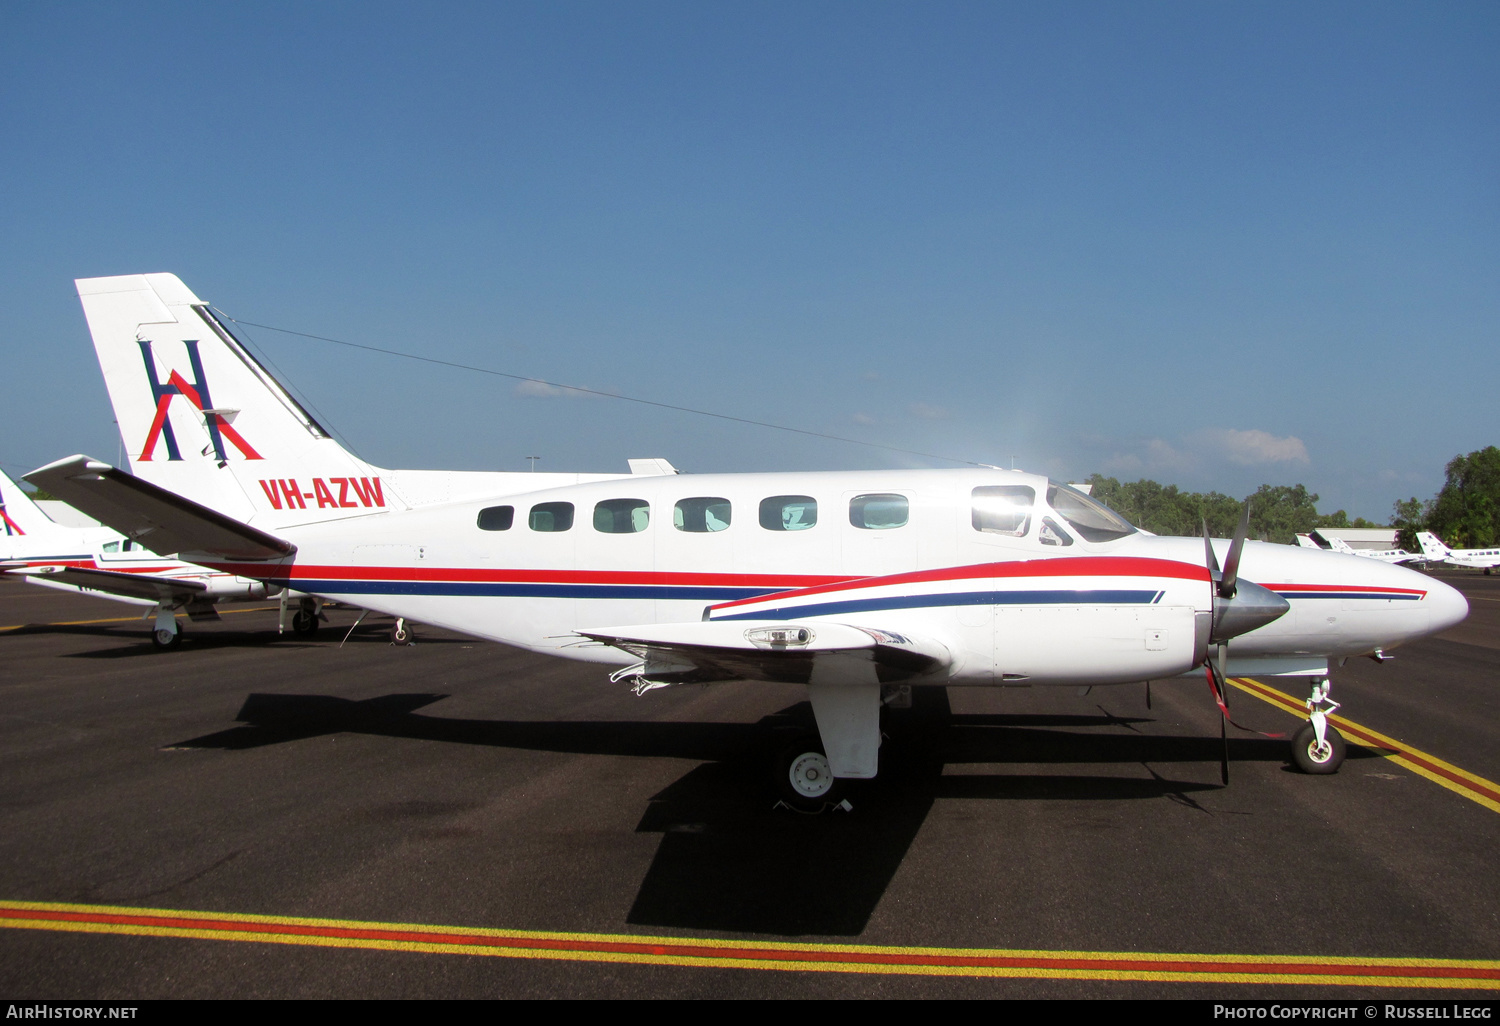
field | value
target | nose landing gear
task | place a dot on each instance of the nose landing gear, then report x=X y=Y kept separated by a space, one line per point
x=1318 y=747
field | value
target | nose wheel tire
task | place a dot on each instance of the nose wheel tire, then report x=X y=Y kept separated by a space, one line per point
x=164 y=639
x=401 y=633
x=805 y=779
x=304 y=623
x=1310 y=757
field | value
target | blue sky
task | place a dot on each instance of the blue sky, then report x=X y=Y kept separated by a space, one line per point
x=1213 y=244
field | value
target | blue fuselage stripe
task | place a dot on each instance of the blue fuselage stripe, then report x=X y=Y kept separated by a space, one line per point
x=1122 y=597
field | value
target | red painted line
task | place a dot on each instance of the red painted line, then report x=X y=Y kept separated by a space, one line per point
x=772 y=955
x=516 y=576
x=1364 y=588
x=712 y=951
x=1348 y=728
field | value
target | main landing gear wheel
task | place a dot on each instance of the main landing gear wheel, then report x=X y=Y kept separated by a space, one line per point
x=805 y=779
x=1312 y=757
x=304 y=623
x=164 y=639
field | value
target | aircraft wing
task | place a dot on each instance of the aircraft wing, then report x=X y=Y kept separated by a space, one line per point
x=162 y=521
x=150 y=587
x=775 y=650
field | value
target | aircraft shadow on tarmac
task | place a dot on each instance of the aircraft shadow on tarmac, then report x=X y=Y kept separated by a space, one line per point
x=217 y=638
x=729 y=860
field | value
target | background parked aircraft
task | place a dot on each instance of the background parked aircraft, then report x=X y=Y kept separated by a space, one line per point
x=1437 y=551
x=106 y=563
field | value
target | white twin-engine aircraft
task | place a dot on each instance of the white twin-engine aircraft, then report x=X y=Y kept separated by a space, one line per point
x=857 y=584
x=103 y=562
x=1436 y=551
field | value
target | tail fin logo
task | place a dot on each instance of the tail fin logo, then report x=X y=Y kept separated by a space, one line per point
x=196 y=392
x=11 y=527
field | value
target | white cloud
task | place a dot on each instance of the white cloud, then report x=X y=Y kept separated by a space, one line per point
x=1192 y=453
x=927 y=412
x=533 y=389
x=862 y=418
x=1253 y=447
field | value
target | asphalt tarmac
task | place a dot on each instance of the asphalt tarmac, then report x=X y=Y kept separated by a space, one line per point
x=462 y=784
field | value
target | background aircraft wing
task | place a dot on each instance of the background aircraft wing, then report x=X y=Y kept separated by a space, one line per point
x=162 y=521
x=774 y=650
x=112 y=582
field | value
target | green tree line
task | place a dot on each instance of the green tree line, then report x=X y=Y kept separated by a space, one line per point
x=1465 y=513
x=1277 y=512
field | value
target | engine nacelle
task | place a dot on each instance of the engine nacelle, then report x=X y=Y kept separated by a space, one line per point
x=1095 y=644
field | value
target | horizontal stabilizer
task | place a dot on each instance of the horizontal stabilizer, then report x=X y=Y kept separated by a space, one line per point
x=162 y=521
x=113 y=582
x=778 y=650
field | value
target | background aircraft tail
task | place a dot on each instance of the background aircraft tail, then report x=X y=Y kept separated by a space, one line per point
x=1432 y=546
x=23 y=525
x=201 y=417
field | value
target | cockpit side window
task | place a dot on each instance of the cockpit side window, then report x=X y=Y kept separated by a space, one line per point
x=1003 y=509
x=1051 y=534
x=1094 y=521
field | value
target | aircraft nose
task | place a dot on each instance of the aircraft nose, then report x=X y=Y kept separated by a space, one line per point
x=1448 y=605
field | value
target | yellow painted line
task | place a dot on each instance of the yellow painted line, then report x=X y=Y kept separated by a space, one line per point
x=1459 y=781
x=1459 y=974
x=128 y=619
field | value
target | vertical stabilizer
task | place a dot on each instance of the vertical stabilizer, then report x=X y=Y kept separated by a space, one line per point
x=200 y=416
x=26 y=531
x=1432 y=546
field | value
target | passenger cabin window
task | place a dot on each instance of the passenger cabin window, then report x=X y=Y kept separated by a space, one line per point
x=111 y=546
x=703 y=514
x=1088 y=516
x=551 y=516
x=878 y=512
x=788 y=512
x=622 y=516
x=1003 y=509
x=497 y=518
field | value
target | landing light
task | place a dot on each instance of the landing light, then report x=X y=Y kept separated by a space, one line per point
x=779 y=636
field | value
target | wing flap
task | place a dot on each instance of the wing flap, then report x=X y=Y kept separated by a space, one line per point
x=771 y=650
x=162 y=521
x=113 y=582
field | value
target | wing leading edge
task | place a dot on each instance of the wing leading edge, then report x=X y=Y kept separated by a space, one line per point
x=162 y=521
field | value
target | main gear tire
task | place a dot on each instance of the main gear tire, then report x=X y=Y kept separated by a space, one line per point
x=804 y=778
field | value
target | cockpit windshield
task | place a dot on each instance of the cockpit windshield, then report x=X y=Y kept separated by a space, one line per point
x=1088 y=516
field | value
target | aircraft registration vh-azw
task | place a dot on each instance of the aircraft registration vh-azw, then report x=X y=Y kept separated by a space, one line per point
x=858 y=584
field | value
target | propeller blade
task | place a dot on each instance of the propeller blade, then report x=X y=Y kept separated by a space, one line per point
x=1232 y=560
x=1220 y=688
x=1224 y=756
x=1208 y=553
